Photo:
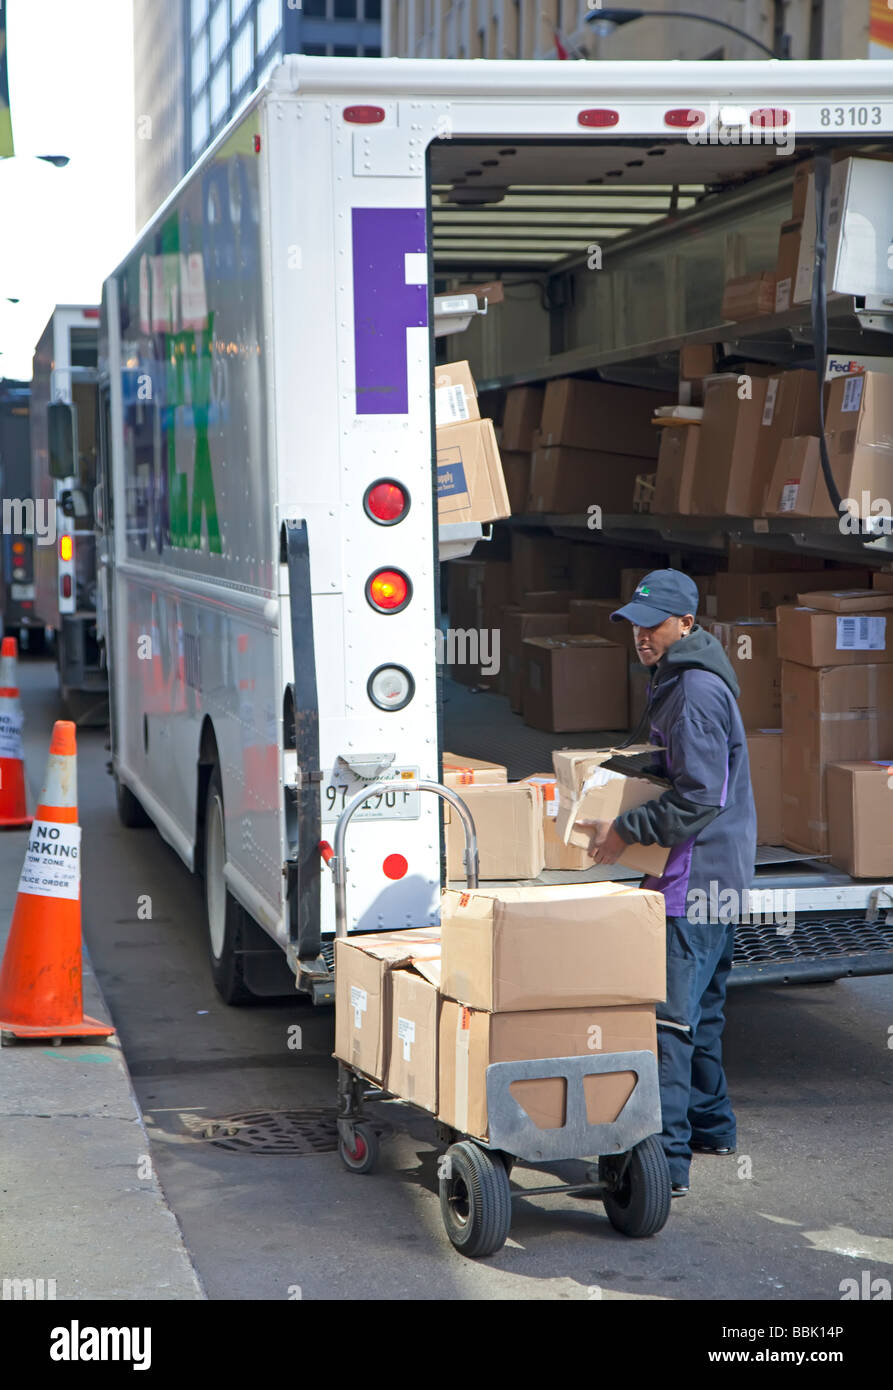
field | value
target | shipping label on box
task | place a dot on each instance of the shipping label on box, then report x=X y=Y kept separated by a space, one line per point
x=412 y=1052
x=455 y=398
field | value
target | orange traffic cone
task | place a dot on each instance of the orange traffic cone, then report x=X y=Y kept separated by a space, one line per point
x=40 y=979
x=13 y=809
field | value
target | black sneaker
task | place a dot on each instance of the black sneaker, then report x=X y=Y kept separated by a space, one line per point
x=719 y=1150
x=680 y=1189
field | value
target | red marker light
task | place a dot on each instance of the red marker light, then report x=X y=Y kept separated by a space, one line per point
x=65 y=548
x=388 y=591
x=386 y=502
x=395 y=866
x=684 y=116
x=770 y=116
x=598 y=116
x=91 y=313
x=257 y=144
x=364 y=115
x=66 y=586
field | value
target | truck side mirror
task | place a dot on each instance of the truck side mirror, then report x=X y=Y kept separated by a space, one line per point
x=62 y=433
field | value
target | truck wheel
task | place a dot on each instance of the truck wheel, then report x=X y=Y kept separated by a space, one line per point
x=223 y=914
x=475 y=1200
x=130 y=811
x=640 y=1204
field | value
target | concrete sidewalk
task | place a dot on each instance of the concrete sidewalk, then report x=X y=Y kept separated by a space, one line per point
x=80 y=1206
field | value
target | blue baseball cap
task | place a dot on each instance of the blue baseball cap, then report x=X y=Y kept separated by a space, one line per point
x=661 y=594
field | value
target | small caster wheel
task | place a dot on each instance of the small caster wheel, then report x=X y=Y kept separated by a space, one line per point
x=640 y=1203
x=363 y=1157
x=475 y=1199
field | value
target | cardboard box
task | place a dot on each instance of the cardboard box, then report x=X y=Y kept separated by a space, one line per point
x=676 y=463
x=752 y=649
x=558 y=854
x=573 y=683
x=567 y=481
x=859 y=427
x=516 y=626
x=538 y=562
x=412 y=1044
x=595 y=568
x=764 y=755
x=547 y=601
x=477 y=592
x=589 y=791
x=749 y=296
x=725 y=481
x=758 y=595
x=829 y=715
x=791 y=407
x=797 y=486
x=859 y=818
x=754 y=559
x=564 y=946
x=848 y=600
x=461 y=771
x=593 y=616
x=786 y=266
x=696 y=360
x=455 y=396
x=595 y=415
x=814 y=638
x=363 y=966
x=630 y=579
x=508 y=820
x=516 y=471
x=470 y=485
x=882 y=580
x=472 y=1039
x=859 y=199
x=523 y=411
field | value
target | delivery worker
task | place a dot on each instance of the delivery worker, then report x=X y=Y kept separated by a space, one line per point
x=708 y=821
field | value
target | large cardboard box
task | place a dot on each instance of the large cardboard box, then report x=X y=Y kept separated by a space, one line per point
x=558 y=947
x=749 y=296
x=676 y=462
x=508 y=819
x=797 y=486
x=538 y=562
x=725 y=482
x=859 y=427
x=593 y=615
x=573 y=683
x=596 y=567
x=595 y=415
x=477 y=593
x=455 y=397
x=829 y=715
x=848 y=600
x=472 y=1039
x=859 y=200
x=516 y=626
x=882 y=580
x=589 y=791
x=566 y=481
x=758 y=595
x=558 y=854
x=764 y=755
x=786 y=266
x=791 y=407
x=523 y=411
x=363 y=966
x=470 y=485
x=461 y=771
x=859 y=817
x=752 y=648
x=815 y=638
x=412 y=1041
x=516 y=471
x=547 y=601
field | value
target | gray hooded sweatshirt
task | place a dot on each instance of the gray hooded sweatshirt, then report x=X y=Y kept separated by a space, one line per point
x=707 y=818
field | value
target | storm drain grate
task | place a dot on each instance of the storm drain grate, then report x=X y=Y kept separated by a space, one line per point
x=288 y=1132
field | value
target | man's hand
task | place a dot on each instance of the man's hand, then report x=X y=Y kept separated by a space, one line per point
x=605 y=845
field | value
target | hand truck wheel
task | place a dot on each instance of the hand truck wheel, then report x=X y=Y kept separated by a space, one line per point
x=638 y=1202
x=475 y=1200
x=362 y=1157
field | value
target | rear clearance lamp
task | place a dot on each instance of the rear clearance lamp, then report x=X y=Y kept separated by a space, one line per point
x=598 y=116
x=364 y=115
x=386 y=502
x=388 y=591
x=18 y=547
x=772 y=116
x=66 y=548
x=390 y=687
x=66 y=586
x=395 y=866
x=18 y=572
x=684 y=117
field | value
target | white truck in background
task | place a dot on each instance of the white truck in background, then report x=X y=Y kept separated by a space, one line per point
x=64 y=461
x=267 y=500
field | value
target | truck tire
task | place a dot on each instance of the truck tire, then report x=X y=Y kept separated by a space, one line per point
x=130 y=812
x=224 y=917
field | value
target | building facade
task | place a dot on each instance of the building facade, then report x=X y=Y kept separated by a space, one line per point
x=528 y=29
x=196 y=61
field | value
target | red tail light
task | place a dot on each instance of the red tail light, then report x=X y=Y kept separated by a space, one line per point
x=684 y=116
x=386 y=502
x=364 y=115
x=598 y=116
x=395 y=866
x=388 y=591
x=770 y=116
x=66 y=586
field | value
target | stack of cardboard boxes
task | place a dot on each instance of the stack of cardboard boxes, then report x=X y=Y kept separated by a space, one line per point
x=470 y=482
x=424 y=1013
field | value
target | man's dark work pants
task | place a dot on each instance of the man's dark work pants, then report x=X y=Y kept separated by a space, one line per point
x=694 y=1099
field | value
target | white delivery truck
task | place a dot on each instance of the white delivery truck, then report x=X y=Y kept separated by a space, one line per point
x=266 y=372
x=64 y=463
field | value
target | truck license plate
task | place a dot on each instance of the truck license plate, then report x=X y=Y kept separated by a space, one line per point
x=338 y=788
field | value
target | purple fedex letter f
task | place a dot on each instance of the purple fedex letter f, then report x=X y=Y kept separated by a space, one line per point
x=384 y=305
